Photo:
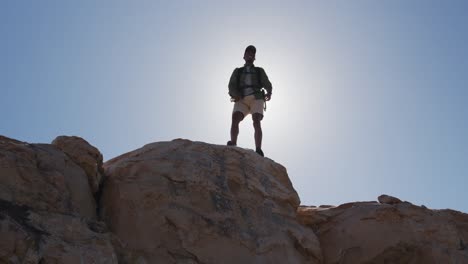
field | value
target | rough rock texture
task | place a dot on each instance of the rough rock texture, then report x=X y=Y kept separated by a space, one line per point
x=31 y=236
x=84 y=155
x=387 y=199
x=191 y=202
x=371 y=232
x=44 y=178
x=47 y=211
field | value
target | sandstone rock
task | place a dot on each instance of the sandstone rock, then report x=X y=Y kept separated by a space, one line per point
x=191 y=202
x=84 y=155
x=29 y=236
x=47 y=211
x=371 y=232
x=44 y=178
x=3 y=138
x=308 y=216
x=387 y=199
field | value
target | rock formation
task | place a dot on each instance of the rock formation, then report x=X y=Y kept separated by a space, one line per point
x=84 y=155
x=192 y=202
x=391 y=232
x=47 y=210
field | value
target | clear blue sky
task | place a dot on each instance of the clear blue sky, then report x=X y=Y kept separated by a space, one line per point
x=369 y=97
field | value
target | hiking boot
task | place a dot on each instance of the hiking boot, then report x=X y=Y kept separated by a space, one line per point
x=230 y=143
x=260 y=152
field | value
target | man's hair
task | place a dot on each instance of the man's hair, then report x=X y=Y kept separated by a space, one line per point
x=251 y=48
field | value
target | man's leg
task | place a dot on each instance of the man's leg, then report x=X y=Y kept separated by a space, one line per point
x=237 y=117
x=257 y=118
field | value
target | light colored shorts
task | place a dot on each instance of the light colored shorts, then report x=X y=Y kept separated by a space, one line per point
x=249 y=105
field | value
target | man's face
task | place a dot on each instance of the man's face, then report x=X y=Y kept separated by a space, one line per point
x=249 y=56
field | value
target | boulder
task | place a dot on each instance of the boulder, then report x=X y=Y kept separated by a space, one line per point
x=47 y=210
x=372 y=232
x=84 y=155
x=387 y=199
x=43 y=178
x=31 y=236
x=192 y=202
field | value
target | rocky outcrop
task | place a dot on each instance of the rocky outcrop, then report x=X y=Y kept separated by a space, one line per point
x=44 y=178
x=36 y=236
x=192 y=202
x=387 y=199
x=388 y=232
x=47 y=210
x=84 y=155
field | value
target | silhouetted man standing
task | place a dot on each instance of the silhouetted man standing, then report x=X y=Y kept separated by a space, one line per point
x=245 y=89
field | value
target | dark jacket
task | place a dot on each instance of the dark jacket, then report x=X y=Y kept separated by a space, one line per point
x=235 y=83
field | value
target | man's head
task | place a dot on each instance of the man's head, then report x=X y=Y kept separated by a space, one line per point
x=249 y=54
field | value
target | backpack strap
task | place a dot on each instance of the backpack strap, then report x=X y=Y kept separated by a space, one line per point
x=257 y=73
x=259 y=76
x=257 y=88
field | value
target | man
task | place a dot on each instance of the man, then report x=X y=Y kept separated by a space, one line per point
x=245 y=89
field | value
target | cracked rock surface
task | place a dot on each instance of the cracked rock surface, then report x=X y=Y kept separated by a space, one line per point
x=192 y=202
x=47 y=210
x=388 y=232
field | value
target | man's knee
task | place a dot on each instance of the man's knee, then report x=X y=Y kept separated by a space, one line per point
x=237 y=117
x=256 y=119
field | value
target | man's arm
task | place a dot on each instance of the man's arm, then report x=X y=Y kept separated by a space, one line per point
x=233 y=87
x=266 y=83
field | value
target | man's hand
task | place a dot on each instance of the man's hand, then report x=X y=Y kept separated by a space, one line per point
x=268 y=97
